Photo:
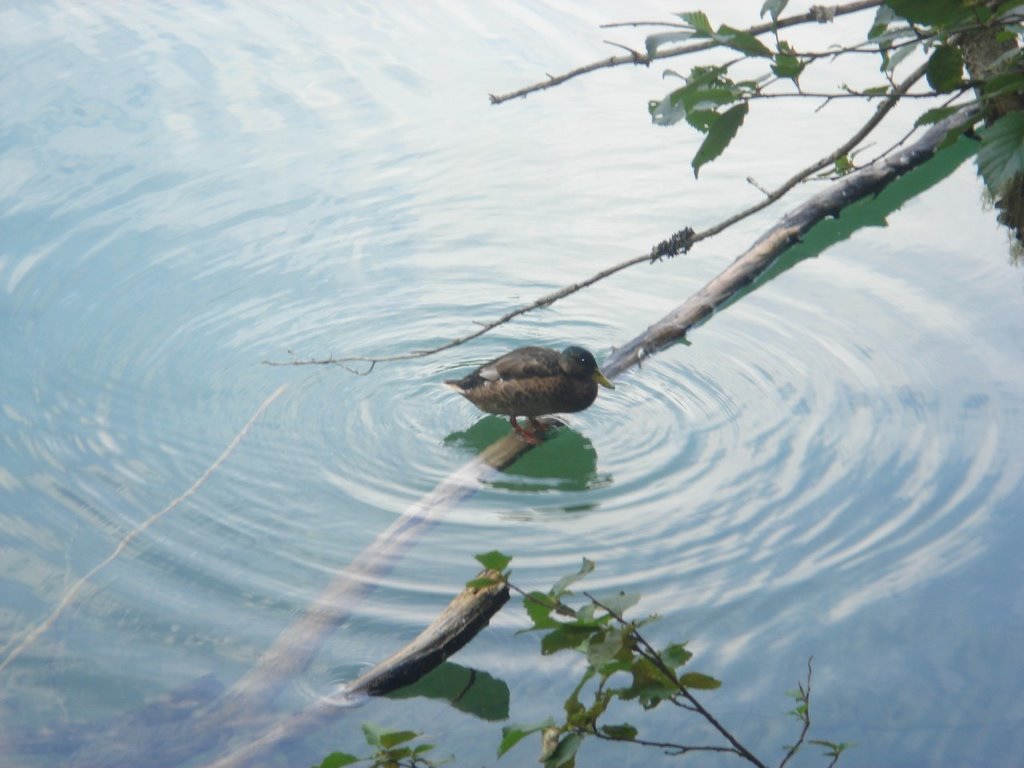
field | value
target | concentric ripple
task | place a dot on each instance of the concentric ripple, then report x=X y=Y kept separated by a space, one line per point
x=186 y=193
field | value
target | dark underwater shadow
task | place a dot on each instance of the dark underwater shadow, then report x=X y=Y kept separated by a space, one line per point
x=870 y=212
x=565 y=461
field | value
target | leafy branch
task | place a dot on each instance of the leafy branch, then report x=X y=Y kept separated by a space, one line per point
x=678 y=243
x=623 y=665
x=818 y=14
x=391 y=749
x=716 y=103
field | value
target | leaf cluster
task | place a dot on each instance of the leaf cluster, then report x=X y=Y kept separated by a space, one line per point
x=621 y=666
x=715 y=102
x=392 y=749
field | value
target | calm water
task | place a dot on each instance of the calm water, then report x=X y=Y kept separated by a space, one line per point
x=833 y=468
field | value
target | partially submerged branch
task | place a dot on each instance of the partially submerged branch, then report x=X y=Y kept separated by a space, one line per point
x=470 y=611
x=748 y=267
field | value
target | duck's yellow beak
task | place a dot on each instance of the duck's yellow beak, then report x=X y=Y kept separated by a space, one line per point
x=601 y=379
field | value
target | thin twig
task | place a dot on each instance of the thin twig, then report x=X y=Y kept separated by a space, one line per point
x=543 y=301
x=645 y=59
x=70 y=595
x=684 y=239
x=862 y=133
x=906 y=137
x=670 y=24
x=669 y=747
x=649 y=652
x=850 y=94
x=805 y=716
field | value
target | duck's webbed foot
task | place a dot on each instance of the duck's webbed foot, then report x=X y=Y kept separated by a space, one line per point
x=534 y=435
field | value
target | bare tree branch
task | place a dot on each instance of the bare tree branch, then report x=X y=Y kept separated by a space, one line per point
x=804 y=715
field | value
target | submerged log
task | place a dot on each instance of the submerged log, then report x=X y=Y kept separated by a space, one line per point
x=459 y=623
x=297 y=647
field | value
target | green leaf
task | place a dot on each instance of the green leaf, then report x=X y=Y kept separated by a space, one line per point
x=650 y=685
x=586 y=615
x=566 y=636
x=652 y=42
x=834 y=749
x=945 y=68
x=702 y=94
x=774 y=7
x=538 y=608
x=563 y=583
x=699 y=21
x=1006 y=36
x=676 y=655
x=565 y=752
x=1001 y=155
x=482 y=581
x=1002 y=84
x=934 y=115
x=606 y=647
x=389 y=739
x=708 y=98
x=699 y=681
x=337 y=760
x=701 y=119
x=549 y=742
x=372 y=734
x=935 y=13
x=843 y=165
x=721 y=133
x=883 y=18
x=788 y=66
x=891 y=62
x=618 y=665
x=624 y=732
x=513 y=734
x=494 y=560
x=741 y=41
x=885 y=39
x=620 y=603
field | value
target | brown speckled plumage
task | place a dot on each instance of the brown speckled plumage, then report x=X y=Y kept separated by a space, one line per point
x=532 y=382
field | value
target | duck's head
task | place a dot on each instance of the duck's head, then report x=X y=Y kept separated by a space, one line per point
x=580 y=364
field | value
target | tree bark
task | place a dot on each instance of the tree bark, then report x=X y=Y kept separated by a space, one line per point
x=982 y=51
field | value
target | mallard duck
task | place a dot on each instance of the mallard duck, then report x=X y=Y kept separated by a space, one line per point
x=532 y=382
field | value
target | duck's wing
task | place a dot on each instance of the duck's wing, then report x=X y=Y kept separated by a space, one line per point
x=522 y=363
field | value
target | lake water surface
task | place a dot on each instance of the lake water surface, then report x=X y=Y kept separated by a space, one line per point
x=833 y=468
